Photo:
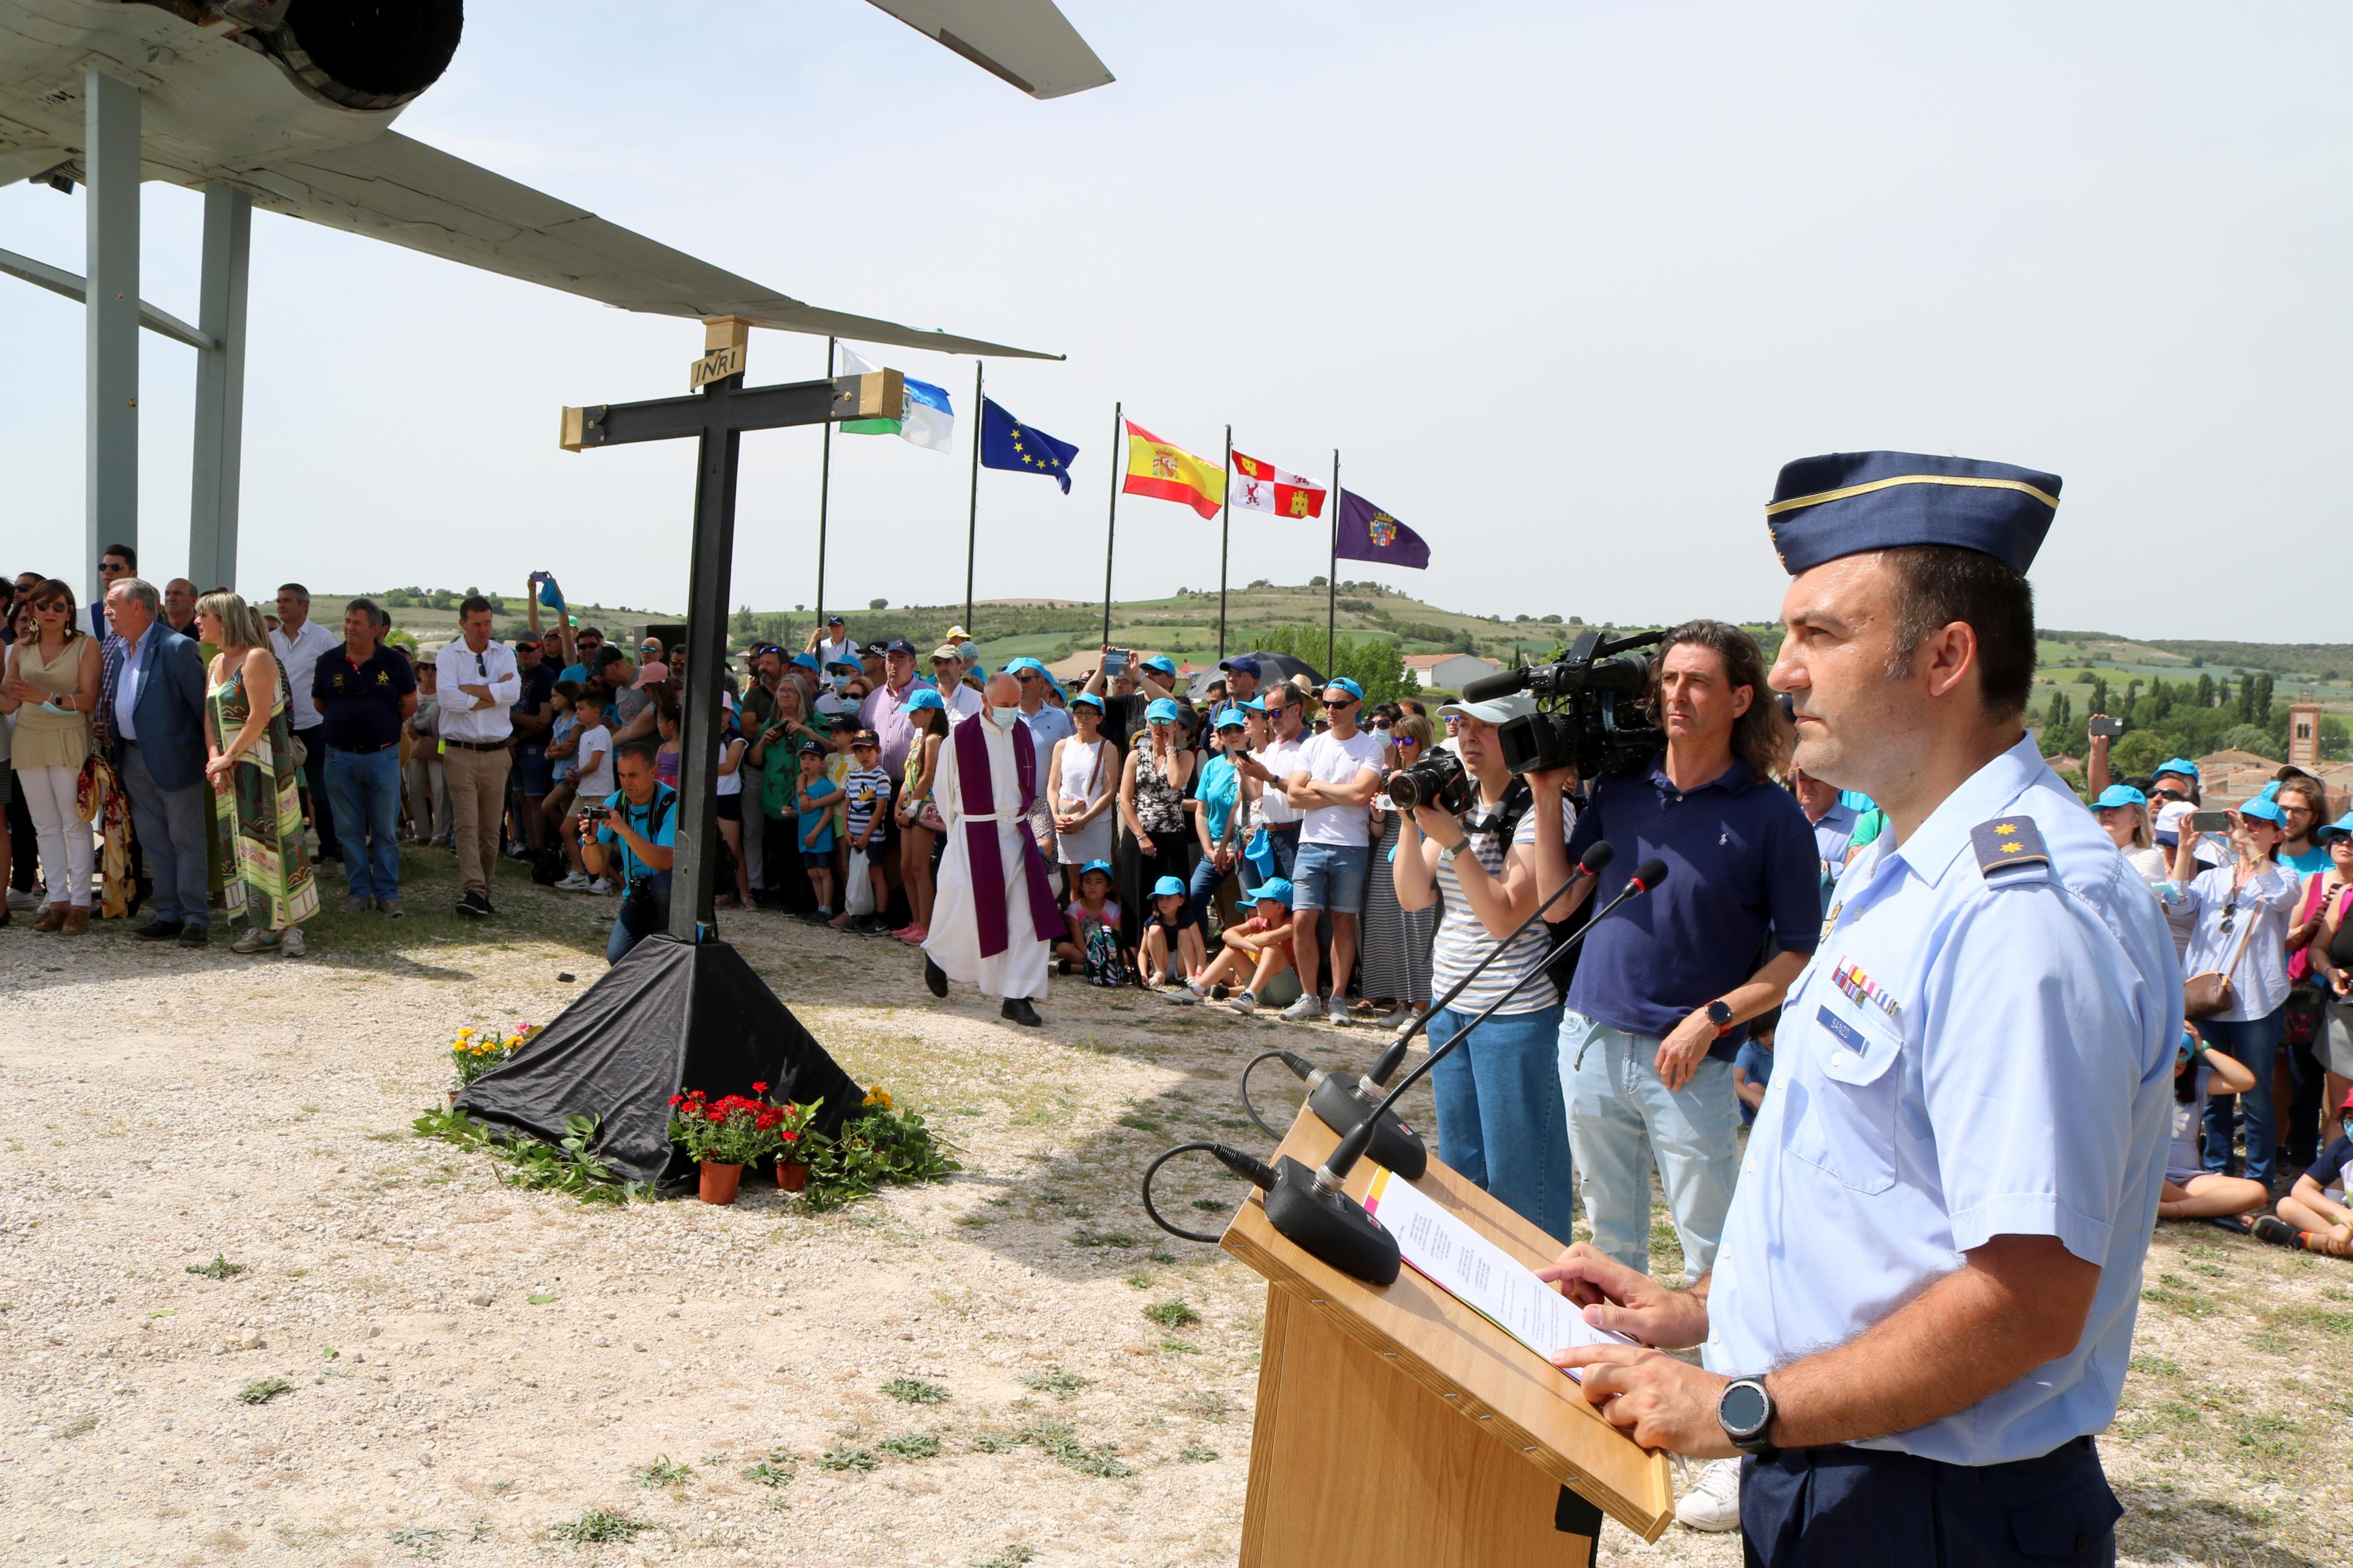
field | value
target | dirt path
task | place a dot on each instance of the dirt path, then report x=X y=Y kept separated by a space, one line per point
x=472 y=1371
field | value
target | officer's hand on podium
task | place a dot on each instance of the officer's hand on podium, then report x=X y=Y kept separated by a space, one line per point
x=1621 y=1301
x=1657 y=1401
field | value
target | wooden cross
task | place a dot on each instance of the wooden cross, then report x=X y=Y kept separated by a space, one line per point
x=717 y=413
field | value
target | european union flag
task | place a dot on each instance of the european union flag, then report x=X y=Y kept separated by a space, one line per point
x=1006 y=443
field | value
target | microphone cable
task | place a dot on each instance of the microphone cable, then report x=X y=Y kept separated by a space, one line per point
x=1298 y=1065
x=1255 y=1171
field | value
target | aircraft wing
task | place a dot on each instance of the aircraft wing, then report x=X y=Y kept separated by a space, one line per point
x=397 y=189
x=1028 y=43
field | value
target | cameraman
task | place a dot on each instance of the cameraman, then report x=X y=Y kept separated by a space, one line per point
x=641 y=819
x=1500 y=1118
x=1661 y=991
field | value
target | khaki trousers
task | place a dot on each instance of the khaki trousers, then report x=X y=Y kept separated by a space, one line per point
x=477 y=793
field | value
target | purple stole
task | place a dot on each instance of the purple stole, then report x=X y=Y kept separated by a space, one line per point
x=977 y=784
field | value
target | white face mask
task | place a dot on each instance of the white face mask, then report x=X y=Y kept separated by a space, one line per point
x=1003 y=718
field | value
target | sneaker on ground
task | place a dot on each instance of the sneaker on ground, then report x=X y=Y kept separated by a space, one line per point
x=1340 y=1014
x=1714 y=1503
x=841 y=919
x=19 y=899
x=601 y=885
x=389 y=908
x=290 y=944
x=1243 y=1001
x=1303 y=1011
x=474 y=904
x=358 y=904
x=573 y=882
x=1400 y=1018
x=2278 y=1232
x=1185 y=995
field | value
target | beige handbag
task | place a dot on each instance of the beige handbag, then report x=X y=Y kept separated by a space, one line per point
x=2207 y=993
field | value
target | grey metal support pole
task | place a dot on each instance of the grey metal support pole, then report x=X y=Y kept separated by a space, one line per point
x=695 y=865
x=972 y=516
x=1118 y=466
x=1332 y=582
x=1224 y=536
x=824 y=497
x=220 y=389
x=111 y=317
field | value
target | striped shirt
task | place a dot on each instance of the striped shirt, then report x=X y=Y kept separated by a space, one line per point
x=1462 y=940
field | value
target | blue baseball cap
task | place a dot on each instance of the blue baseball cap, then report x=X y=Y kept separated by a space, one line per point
x=1015 y=666
x=1161 y=710
x=2263 y=810
x=1251 y=705
x=1241 y=667
x=1161 y=662
x=2182 y=765
x=1090 y=700
x=1846 y=502
x=924 y=696
x=1275 y=888
x=900 y=645
x=1230 y=719
x=1342 y=683
x=2119 y=794
x=1103 y=866
x=1165 y=886
x=806 y=660
x=2339 y=828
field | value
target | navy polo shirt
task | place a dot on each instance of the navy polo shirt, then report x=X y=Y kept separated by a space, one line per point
x=1743 y=884
x=359 y=704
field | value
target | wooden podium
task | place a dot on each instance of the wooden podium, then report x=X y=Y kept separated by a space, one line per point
x=1397 y=1428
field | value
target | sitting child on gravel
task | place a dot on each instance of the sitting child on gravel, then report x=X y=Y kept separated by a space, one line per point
x=2190 y=1191
x=2314 y=1216
x=1260 y=944
x=1172 y=950
x=1093 y=941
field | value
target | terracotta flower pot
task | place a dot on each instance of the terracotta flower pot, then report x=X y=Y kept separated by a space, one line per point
x=720 y=1181
x=453 y=1097
x=791 y=1175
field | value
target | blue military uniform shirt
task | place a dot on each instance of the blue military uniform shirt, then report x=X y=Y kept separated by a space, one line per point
x=1982 y=1046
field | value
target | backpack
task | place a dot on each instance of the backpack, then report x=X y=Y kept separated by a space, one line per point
x=1106 y=964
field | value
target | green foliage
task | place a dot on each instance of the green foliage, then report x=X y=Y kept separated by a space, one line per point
x=661 y=1473
x=878 y=1146
x=1195 y=1454
x=768 y=1473
x=1172 y=1314
x=848 y=1460
x=1014 y=1556
x=1055 y=1380
x=915 y=1391
x=1060 y=1442
x=218 y=1268
x=912 y=1446
x=878 y=604
x=536 y=1166
x=262 y=1390
x=597 y=1527
x=2244 y=738
x=2137 y=751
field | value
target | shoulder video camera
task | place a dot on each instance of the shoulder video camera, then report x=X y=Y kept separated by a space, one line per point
x=1596 y=709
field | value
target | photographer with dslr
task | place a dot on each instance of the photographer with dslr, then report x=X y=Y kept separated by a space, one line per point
x=633 y=829
x=1656 y=1007
x=1468 y=836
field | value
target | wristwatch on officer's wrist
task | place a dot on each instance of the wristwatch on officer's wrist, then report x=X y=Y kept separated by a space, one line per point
x=1744 y=1411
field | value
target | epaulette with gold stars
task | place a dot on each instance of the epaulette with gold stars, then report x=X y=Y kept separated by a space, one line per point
x=2007 y=843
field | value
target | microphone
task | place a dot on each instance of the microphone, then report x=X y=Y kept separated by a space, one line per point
x=1318 y=1216
x=1340 y=1103
x=1490 y=686
x=1594 y=861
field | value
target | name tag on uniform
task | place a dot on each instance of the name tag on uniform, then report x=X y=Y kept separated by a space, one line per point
x=1846 y=1034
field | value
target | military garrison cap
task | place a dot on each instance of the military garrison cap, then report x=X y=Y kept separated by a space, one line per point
x=1846 y=503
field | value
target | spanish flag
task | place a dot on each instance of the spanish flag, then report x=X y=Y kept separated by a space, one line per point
x=1171 y=473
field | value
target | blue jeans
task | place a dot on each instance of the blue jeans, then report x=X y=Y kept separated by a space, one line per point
x=2255 y=1042
x=1500 y=1118
x=1330 y=877
x=1205 y=877
x=364 y=795
x=640 y=918
x=1622 y=1119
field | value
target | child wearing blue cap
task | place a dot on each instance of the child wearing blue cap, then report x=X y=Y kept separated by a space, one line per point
x=1260 y=944
x=1093 y=945
x=1172 y=950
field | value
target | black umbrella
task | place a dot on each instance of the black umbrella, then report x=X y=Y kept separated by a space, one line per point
x=1273 y=667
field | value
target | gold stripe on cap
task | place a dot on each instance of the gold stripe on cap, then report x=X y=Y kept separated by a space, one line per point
x=1776 y=509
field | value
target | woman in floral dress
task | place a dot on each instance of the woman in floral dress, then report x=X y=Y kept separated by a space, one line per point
x=257 y=800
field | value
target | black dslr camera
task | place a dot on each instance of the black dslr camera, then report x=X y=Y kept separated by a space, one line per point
x=1597 y=713
x=1439 y=780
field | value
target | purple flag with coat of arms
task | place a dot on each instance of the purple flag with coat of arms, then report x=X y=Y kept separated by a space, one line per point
x=1366 y=532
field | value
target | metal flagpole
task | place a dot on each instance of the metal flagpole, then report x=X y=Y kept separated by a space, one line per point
x=1110 y=527
x=972 y=520
x=1332 y=577
x=824 y=494
x=1225 y=532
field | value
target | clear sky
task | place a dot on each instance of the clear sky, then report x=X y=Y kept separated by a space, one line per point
x=1565 y=283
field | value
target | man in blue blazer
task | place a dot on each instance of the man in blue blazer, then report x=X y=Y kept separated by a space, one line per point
x=151 y=722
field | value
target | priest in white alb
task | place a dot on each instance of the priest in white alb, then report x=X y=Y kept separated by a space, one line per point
x=993 y=919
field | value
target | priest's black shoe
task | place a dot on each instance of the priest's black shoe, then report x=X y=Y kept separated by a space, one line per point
x=1017 y=1009
x=935 y=979
x=158 y=931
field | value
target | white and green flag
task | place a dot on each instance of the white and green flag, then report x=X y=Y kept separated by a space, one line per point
x=925 y=419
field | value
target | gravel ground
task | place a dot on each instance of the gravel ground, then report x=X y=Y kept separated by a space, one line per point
x=475 y=1374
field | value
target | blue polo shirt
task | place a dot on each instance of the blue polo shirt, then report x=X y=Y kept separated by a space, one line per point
x=656 y=822
x=359 y=704
x=1744 y=880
